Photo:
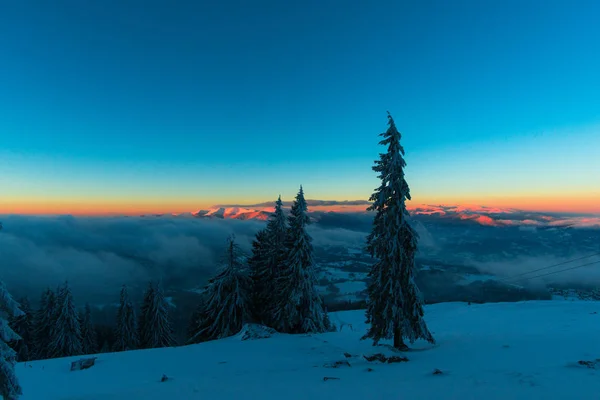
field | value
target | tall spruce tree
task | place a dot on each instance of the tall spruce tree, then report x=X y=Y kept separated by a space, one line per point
x=155 y=324
x=43 y=324
x=226 y=305
x=22 y=325
x=9 y=384
x=298 y=306
x=66 y=337
x=394 y=306
x=269 y=253
x=89 y=336
x=126 y=335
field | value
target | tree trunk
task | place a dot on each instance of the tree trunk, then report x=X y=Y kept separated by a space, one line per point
x=398 y=342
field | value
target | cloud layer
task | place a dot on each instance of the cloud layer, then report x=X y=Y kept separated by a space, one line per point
x=97 y=255
x=501 y=217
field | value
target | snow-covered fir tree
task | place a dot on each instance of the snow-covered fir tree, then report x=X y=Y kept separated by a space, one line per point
x=268 y=255
x=257 y=265
x=89 y=336
x=126 y=334
x=154 y=323
x=22 y=325
x=105 y=347
x=298 y=306
x=225 y=305
x=394 y=306
x=66 y=337
x=43 y=324
x=195 y=324
x=9 y=384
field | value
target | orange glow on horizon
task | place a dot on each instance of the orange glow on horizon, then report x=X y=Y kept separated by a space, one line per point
x=88 y=207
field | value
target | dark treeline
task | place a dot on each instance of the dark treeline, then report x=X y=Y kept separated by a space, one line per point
x=58 y=329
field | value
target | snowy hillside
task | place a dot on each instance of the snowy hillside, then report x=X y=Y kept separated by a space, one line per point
x=233 y=213
x=527 y=350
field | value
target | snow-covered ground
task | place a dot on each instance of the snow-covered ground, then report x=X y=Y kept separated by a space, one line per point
x=527 y=350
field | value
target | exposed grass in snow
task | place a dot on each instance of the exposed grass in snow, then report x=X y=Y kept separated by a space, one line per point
x=527 y=350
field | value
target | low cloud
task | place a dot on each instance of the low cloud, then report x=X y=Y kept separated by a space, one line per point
x=97 y=255
x=540 y=270
x=503 y=217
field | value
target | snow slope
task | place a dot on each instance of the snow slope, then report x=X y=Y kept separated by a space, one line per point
x=525 y=350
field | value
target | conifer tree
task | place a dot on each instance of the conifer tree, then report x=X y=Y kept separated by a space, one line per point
x=89 y=336
x=105 y=347
x=155 y=324
x=225 y=308
x=22 y=325
x=257 y=265
x=298 y=306
x=66 y=337
x=43 y=324
x=195 y=324
x=394 y=306
x=9 y=384
x=198 y=320
x=268 y=255
x=126 y=335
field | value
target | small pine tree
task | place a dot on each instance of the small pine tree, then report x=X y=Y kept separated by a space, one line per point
x=23 y=326
x=43 y=324
x=394 y=307
x=155 y=324
x=126 y=335
x=66 y=333
x=266 y=263
x=257 y=264
x=226 y=306
x=89 y=336
x=196 y=323
x=105 y=347
x=299 y=307
x=9 y=384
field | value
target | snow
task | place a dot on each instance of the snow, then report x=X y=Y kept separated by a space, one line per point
x=526 y=350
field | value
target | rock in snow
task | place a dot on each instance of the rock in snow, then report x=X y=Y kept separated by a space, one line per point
x=256 y=331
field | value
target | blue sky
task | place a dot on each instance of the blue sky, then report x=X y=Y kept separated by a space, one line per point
x=171 y=104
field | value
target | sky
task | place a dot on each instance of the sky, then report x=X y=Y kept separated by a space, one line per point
x=115 y=107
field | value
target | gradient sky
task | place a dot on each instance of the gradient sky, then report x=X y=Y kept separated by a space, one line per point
x=154 y=106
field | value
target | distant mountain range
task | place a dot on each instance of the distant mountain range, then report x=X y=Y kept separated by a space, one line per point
x=261 y=211
x=233 y=213
x=471 y=214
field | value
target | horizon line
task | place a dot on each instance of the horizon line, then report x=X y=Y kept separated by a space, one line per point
x=342 y=206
